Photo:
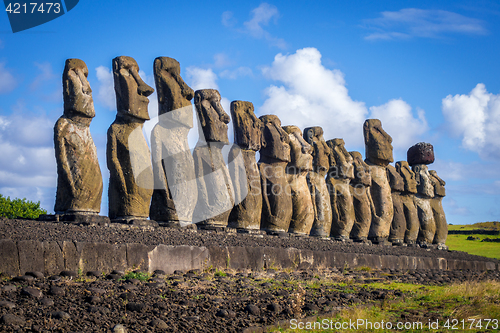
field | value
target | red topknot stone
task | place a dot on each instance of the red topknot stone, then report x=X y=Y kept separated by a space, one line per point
x=421 y=153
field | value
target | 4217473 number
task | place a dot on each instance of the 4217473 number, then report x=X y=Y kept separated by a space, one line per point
x=33 y=7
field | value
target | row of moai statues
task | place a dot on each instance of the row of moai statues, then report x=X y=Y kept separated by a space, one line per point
x=302 y=184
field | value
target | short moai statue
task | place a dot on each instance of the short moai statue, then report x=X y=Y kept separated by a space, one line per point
x=215 y=191
x=408 y=199
x=362 y=202
x=297 y=169
x=79 y=179
x=437 y=209
x=175 y=194
x=246 y=214
x=378 y=151
x=338 y=182
x=398 y=226
x=277 y=206
x=419 y=156
x=317 y=183
x=128 y=156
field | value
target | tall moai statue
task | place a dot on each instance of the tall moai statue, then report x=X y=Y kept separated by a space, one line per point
x=246 y=215
x=418 y=157
x=362 y=201
x=215 y=192
x=437 y=209
x=338 y=182
x=79 y=179
x=378 y=151
x=277 y=206
x=297 y=169
x=408 y=200
x=128 y=155
x=175 y=194
x=398 y=226
x=317 y=183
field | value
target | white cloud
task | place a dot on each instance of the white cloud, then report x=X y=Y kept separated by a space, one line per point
x=106 y=91
x=312 y=95
x=45 y=75
x=228 y=19
x=475 y=118
x=455 y=209
x=414 y=22
x=236 y=73
x=222 y=60
x=200 y=78
x=399 y=122
x=7 y=80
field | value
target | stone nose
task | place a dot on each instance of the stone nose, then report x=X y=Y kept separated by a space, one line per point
x=142 y=88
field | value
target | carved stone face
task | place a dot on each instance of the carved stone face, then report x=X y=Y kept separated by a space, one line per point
x=395 y=179
x=131 y=91
x=439 y=184
x=377 y=143
x=213 y=118
x=300 y=150
x=76 y=89
x=403 y=168
x=361 y=169
x=173 y=93
x=425 y=186
x=275 y=141
x=321 y=151
x=340 y=161
x=247 y=127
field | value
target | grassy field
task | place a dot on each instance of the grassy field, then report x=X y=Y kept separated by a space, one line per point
x=486 y=249
x=464 y=307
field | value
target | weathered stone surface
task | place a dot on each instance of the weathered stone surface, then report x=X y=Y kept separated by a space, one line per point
x=420 y=153
x=277 y=206
x=10 y=257
x=382 y=209
x=53 y=258
x=245 y=176
x=172 y=258
x=175 y=194
x=423 y=198
x=337 y=180
x=79 y=179
x=398 y=225
x=101 y=257
x=378 y=147
x=128 y=156
x=317 y=184
x=437 y=209
x=298 y=167
x=30 y=256
x=360 y=187
x=407 y=198
x=215 y=193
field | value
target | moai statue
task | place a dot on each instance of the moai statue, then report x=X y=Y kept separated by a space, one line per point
x=378 y=151
x=128 y=156
x=175 y=194
x=418 y=157
x=398 y=226
x=79 y=179
x=277 y=206
x=338 y=182
x=437 y=209
x=317 y=184
x=246 y=215
x=360 y=187
x=408 y=200
x=297 y=169
x=215 y=192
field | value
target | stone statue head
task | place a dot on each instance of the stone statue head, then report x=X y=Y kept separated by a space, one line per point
x=395 y=179
x=340 y=160
x=300 y=151
x=212 y=117
x=378 y=147
x=247 y=127
x=77 y=93
x=173 y=93
x=131 y=91
x=439 y=184
x=321 y=151
x=362 y=174
x=425 y=186
x=275 y=141
x=403 y=168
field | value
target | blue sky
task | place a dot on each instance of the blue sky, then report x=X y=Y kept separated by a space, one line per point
x=428 y=69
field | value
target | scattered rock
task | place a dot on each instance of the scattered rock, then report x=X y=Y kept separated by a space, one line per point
x=31 y=292
x=10 y=319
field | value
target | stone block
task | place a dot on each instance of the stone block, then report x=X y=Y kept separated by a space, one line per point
x=421 y=153
x=183 y=258
x=53 y=258
x=9 y=263
x=30 y=256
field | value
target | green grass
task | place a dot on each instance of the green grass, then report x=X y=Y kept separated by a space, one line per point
x=141 y=276
x=476 y=247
